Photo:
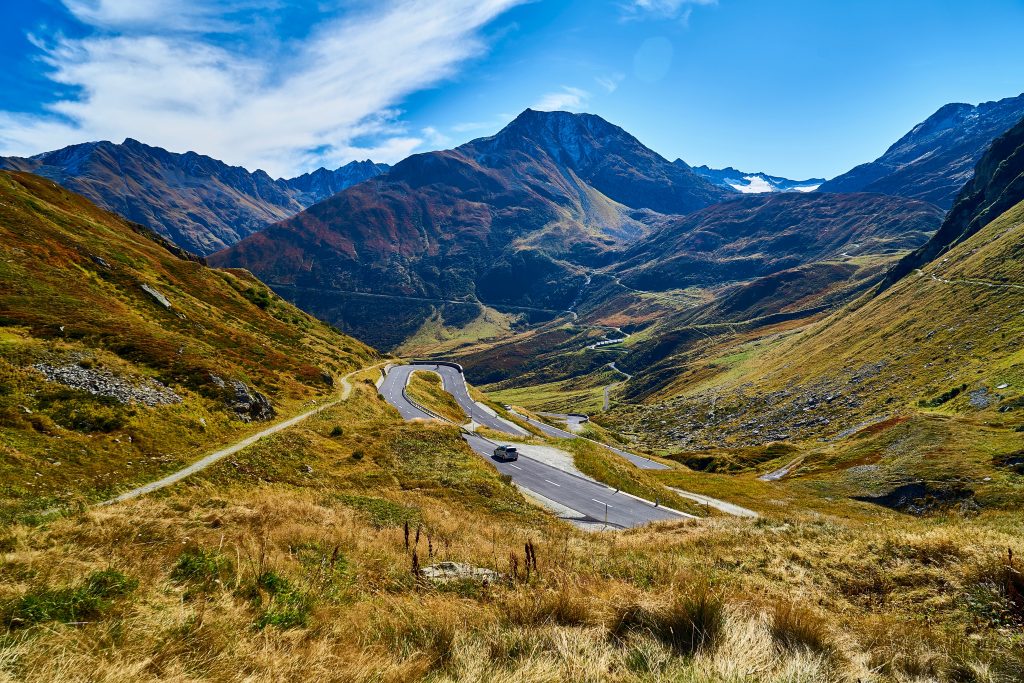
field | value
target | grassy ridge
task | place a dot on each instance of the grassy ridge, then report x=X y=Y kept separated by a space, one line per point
x=73 y=297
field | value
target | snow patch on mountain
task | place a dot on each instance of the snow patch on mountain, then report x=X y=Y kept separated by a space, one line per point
x=753 y=183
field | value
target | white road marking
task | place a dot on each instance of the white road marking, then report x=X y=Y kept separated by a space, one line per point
x=551 y=482
x=602 y=502
x=517 y=467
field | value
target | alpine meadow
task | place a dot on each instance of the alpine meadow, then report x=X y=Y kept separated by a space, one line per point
x=319 y=362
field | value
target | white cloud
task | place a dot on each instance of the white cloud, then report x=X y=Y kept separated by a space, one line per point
x=610 y=83
x=167 y=85
x=191 y=16
x=663 y=9
x=434 y=138
x=568 y=98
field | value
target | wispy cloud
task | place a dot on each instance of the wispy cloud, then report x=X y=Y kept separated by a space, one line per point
x=433 y=137
x=610 y=83
x=568 y=98
x=173 y=83
x=195 y=16
x=662 y=9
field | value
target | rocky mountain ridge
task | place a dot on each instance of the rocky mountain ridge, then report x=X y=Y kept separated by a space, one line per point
x=198 y=202
x=937 y=157
x=513 y=221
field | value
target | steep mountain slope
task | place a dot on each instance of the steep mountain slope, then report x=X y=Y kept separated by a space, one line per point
x=753 y=183
x=199 y=203
x=753 y=236
x=511 y=221
x=942 y=347
x=734 y=267
x=998 y=184
x=122 y=357
x=935 y=159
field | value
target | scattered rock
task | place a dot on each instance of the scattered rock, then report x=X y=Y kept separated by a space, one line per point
x=249 y=404
x=1011 y=461
x=980 y=399
x=444 y=572
x=160 y=298
x=148 y=392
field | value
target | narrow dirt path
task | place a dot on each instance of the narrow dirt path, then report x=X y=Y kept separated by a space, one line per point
x=971 y=281
x=203 y=463
x=720 y=505
x=608 y=388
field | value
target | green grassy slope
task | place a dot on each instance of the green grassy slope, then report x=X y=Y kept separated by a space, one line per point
x=944 y=345
x=73 y=298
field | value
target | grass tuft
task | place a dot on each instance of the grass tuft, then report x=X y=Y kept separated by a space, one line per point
x=796 y=628
x=70 y=605
x=689 y=624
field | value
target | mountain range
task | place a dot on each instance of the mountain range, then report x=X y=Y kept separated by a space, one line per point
x=828 y=386
x=753 y=236
x=200 y=203
x=753 y=182
x=937 y=157
x=520 y=222
x=514 y=221
x=924 y=360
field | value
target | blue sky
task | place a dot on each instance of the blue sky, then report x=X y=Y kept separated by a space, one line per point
x=795 y=88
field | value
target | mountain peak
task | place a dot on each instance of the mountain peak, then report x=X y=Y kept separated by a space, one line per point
x=569 y=138
x=937 y=156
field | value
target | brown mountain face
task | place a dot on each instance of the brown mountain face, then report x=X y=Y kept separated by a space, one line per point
x=935 y=159
x=512 y=221
x=769 y=259
x=199 y=203
x=997 y=185
x=757 y=235
x=742 y=265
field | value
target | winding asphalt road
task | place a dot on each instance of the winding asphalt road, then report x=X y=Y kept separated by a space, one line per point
x=574 y=421
x=392 y=389
x=595 y=502
x=558 y=433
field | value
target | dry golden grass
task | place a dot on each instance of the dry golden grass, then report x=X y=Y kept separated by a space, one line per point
x=289 y=562
x=426 y=389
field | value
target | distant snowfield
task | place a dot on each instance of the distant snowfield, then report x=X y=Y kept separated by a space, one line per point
x=755 y=185
x=758 y=185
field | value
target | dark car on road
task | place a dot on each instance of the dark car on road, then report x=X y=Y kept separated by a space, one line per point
x=506 y=453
